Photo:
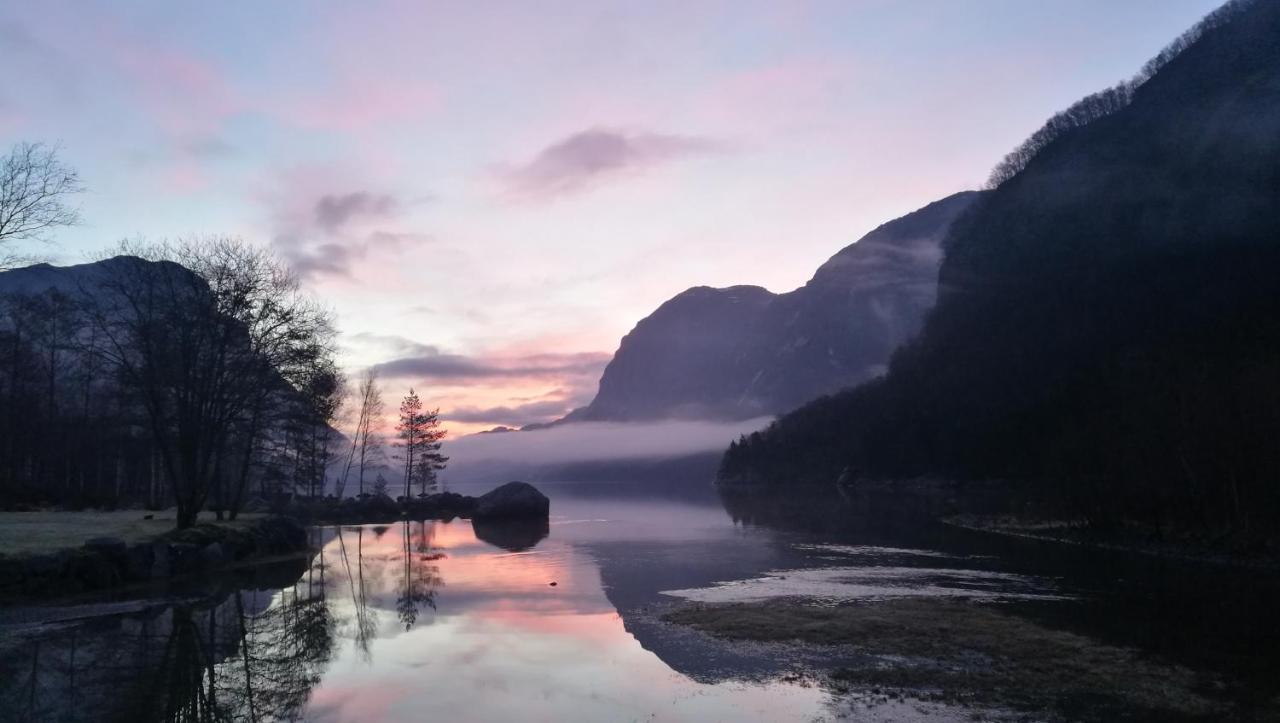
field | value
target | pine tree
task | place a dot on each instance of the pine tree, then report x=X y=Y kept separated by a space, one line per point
x=430 y=461
x=410 y=431
x=420 y=438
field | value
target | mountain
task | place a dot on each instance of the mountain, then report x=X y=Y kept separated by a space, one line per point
x=1108 y=334
x=76 y=280
x=111 y=372
x=743 y=352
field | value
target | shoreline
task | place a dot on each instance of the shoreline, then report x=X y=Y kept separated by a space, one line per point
x=109 y=563
x=1011 y=527
x=964 y=654
x=104 y=562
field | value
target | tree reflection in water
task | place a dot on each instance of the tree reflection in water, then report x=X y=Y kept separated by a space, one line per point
x=245 y=655
x=419 y=577
x=248 y=656
x=366 y=623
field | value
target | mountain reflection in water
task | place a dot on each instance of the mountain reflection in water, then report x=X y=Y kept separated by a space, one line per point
x=417 y=620
x=394 y=622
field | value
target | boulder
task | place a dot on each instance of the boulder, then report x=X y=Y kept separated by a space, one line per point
x=513 y=500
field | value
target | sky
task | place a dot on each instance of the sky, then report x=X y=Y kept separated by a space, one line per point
x=490 y=195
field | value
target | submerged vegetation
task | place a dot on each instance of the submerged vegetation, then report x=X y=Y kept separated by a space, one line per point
x=966 y=653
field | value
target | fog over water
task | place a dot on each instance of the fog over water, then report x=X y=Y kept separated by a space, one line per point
x=591 y=442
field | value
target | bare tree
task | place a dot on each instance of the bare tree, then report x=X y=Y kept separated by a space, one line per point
x=204 y=333
x=34 y=190
x=363 y=439
x=370 y=436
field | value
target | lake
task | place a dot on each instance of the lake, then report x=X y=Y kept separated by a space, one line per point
x=442 y=620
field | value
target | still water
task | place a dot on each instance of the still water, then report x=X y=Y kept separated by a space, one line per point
x=449 y=621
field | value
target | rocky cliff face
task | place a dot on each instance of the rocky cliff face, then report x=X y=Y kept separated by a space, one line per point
x=743 y=351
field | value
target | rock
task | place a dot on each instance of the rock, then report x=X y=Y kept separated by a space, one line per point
x=513 y=500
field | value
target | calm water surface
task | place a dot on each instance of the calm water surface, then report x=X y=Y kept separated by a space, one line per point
x=443 y=620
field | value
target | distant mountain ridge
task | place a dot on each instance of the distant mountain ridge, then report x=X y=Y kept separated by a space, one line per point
x=743 y=351
x=74 y=280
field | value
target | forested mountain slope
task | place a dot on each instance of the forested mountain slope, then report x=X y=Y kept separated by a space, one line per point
x=1108 y=331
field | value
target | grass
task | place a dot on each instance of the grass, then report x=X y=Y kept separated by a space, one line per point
x=31 y=533
x=966 y=653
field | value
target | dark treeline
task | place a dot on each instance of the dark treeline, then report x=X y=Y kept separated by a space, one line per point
x=193 y=374
x=1108 y=327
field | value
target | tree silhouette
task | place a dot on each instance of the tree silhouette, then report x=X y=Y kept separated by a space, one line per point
x=35 y=187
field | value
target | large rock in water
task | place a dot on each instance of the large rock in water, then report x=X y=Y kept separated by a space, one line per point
x=513 y=500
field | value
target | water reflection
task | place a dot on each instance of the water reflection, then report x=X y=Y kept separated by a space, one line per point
x=465 y=623
x=394 y=622
x=447 y=620
x=248 y=655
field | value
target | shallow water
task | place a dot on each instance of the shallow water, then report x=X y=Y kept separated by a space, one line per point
x=443 y=620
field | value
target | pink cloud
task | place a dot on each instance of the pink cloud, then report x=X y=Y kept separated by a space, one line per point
x=187 y=95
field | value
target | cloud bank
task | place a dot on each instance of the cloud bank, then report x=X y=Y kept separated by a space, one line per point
x=460 y=369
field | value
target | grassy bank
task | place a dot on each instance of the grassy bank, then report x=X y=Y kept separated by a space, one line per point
x=47 y=555
x=47 y=531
